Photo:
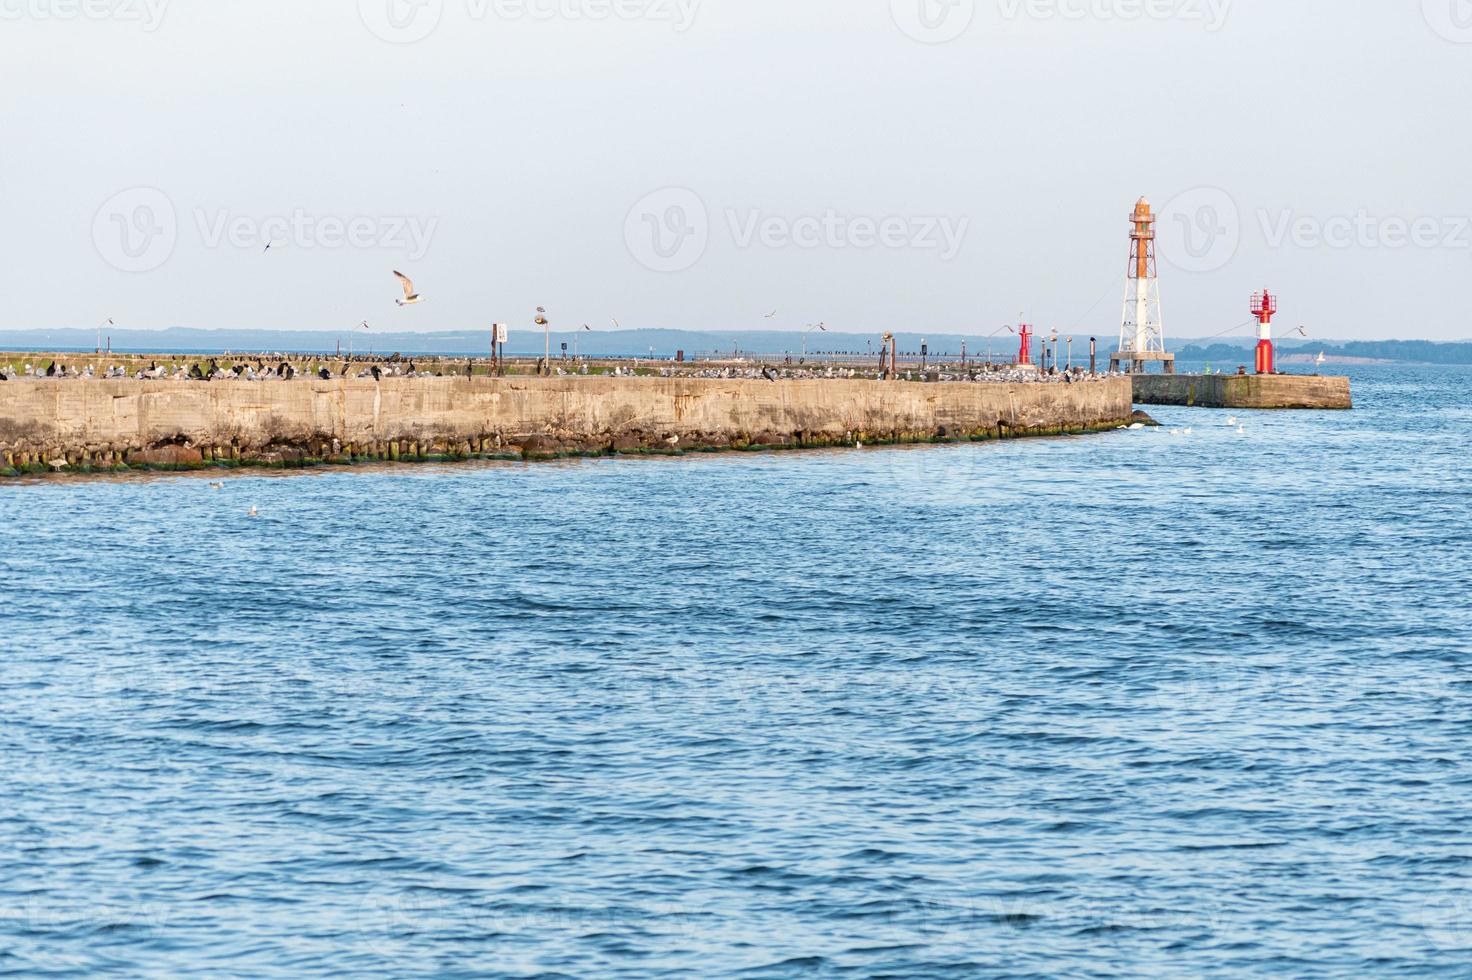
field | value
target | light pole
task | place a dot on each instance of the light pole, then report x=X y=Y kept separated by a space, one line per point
x=546 y=326
x=1054 y=338
x=811 y=327
x=1070 y=355
x=989 y=339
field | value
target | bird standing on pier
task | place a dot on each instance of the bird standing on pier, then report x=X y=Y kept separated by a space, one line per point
x=410 y=296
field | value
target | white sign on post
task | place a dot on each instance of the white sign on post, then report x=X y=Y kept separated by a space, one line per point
x=501 y=332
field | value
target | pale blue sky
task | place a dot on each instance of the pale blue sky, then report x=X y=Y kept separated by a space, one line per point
x=498 y=158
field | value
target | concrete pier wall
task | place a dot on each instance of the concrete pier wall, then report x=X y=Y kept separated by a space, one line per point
x=1251 y=391
x=110 y=423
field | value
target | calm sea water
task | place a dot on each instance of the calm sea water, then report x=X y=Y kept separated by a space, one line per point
x=1131 y=704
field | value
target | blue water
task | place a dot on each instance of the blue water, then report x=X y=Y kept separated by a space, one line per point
x=1124 y=705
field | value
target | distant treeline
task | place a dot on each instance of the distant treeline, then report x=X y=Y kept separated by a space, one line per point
x=1413 y=351
x=523 y=341
x=665 y=343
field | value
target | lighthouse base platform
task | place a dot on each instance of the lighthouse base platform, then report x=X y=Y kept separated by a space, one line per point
x=1138 y=362
x=1244 y=391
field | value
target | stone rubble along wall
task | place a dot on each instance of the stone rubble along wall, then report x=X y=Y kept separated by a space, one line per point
x=112 y=423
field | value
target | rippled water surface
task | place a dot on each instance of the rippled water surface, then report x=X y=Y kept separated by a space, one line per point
x=1129 y=704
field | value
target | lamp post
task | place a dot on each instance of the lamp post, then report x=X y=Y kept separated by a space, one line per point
x=1054 y=337
x=989 y=339
x=546 y=326
x=811 y=327
x=1070 y=355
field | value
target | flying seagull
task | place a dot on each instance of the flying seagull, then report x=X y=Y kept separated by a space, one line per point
x=771 y=314
x=615 y=324
x=410 y=296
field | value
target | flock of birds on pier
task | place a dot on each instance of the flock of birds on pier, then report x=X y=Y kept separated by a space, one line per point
x=212 y=370
x=280 y=368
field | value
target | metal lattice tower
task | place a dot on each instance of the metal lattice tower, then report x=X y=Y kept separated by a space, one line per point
x=1142 y=332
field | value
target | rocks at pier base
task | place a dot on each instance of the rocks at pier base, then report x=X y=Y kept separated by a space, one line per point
x=107 y=425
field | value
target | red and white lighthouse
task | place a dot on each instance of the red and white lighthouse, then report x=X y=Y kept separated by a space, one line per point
x=1264 y=305
x=1024 y=354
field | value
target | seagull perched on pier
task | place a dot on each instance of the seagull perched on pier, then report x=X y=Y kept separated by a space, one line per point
x=410 y=296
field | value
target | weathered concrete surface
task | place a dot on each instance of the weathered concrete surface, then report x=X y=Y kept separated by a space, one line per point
x=105 y=424
x=1251 y=391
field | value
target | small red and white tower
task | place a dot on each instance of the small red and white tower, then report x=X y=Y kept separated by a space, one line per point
x=1024 y=353
x=1264 y=305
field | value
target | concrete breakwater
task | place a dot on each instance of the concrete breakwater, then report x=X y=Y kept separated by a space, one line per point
x=1243 y=391
x=75 y=425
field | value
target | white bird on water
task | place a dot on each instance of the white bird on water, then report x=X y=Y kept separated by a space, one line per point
x=410 y=296
x=217 y=486
x=252 y=512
